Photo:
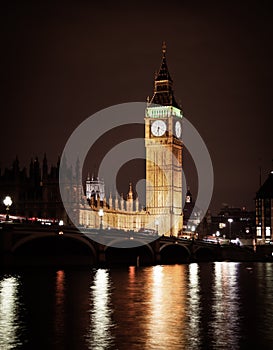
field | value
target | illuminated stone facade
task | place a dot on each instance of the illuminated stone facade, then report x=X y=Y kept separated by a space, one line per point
x=116 y=213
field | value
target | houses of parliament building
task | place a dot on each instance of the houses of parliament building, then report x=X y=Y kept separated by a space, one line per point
x=36 y=193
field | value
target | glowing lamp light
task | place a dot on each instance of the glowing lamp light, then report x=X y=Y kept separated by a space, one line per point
x=7 y=202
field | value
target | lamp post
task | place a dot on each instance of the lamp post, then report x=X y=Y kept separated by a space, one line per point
x=217 y=235
x=101 y=216
x=7 y=202
x=230 y=222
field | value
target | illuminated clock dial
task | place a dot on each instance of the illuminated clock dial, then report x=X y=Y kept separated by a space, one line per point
x=158 y=128
x=178 y=129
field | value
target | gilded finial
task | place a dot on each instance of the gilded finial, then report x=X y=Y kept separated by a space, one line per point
x=130 y=193
x=164 y=48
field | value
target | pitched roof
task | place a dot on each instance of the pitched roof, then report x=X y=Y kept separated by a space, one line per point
x=163 y=90
x=163 y=73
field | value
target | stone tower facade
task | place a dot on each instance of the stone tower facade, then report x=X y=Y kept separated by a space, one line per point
x=163 y=142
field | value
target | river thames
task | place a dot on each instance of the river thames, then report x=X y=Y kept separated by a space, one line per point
x=220 y=305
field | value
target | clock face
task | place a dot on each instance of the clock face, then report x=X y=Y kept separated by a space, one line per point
x=158 y=128
x=178 y=129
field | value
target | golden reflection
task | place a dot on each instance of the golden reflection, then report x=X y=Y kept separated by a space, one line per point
x=224 y=327
x=100 y=328
x=166 y=302
x=8 y=305
x=131 y=292
x=132 y=274
x=60 y=277
x=59 y=307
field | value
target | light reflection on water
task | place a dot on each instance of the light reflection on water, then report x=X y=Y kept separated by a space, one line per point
x=220 y=305
x=9 y=303
x=165 y=308
x=225 y=307
x=60 y=305
x=99 y=336
x=193 y=299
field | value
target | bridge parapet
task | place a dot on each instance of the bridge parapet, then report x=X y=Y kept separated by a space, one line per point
x=97 y=242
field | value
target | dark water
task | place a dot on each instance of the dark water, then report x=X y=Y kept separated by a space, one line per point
x=222 y=305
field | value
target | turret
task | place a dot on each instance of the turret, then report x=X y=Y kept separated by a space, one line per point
x=116 y=202
x=130 y=199
x=110 y=201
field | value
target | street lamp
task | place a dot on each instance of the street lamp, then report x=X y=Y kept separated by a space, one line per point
x=7 y=202
x=101 y=216
x=217 y=235
x=230 y=221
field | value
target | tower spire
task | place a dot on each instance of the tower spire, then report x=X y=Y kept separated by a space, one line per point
x=163 y=84
x=163 y=73
x=164 y=49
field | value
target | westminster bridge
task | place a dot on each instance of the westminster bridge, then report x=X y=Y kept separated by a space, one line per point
x=38 y=245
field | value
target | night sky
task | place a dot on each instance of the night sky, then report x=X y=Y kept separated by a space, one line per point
x=62 y=63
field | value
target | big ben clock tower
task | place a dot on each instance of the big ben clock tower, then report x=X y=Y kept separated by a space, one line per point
x=163 y=122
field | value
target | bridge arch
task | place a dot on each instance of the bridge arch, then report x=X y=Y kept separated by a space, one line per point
x=204 y=254
x=131 y=254
x=54 y=249
x=174 y=253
